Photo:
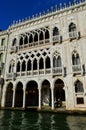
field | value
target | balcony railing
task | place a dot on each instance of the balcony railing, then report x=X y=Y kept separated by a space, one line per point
x=2 y=48
x=76 y=68
x=34 y=44
x=57 y=70
x=56 y=38
x=9 y=76
x=73 y=34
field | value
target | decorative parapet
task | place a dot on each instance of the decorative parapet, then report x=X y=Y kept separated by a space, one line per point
x=54 y=10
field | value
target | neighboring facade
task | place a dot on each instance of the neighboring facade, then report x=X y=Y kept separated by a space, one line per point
x=3 y=51
x=46 y=61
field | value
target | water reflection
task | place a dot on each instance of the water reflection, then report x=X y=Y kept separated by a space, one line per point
x=18 y=120
x=76 y=122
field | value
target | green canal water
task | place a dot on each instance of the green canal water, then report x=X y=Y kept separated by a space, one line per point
x=20 y=120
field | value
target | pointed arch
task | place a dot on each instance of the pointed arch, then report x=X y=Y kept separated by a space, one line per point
x=14 y=42
x=9 y=95
x=30 y=38
x=19 y=95
x=36 y=37
x=41 y=63
x=75 y=59
x=18 y=66
x=72 y=27
x=29 y=65
x=55 y=31
x=41 y=36
x=26 y=39
x=47 y=62
x=79 y=87
x=35 y=64
x=21 y=41
x=24 y=65
x=47 y=35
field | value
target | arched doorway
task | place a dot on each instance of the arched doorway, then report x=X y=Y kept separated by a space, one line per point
x=31 y=94
x=59 y=93
x=9 y=95
x=19 y=95
x=46 y=93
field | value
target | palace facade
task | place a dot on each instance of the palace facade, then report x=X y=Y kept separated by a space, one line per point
x=45 y=61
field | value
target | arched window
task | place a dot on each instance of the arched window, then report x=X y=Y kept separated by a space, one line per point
x=35 y=37
x=23 y=66
x=21 y=41
x=41 y=63
x=72 y=27
x=41 y=37
x=26 y=40
x=47 y=34
x=79 y=87
x=30 y=38
x=75 y=59
x=35 y=64
x=47 y=63
x=11 y=67
x=29 y=65
x=18 y=67
x=57 y=61
x=14 y=42
x=55 y=31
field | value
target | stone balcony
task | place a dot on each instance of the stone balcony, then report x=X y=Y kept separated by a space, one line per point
x=76 y=69
x=56 y=39
x=41 y=72
x=74 y=35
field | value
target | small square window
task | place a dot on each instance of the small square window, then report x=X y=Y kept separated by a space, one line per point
x=80 y=101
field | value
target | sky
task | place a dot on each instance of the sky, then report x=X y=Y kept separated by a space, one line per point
x=13 y=10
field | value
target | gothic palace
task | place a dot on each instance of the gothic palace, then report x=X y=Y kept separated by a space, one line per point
x=43 y=61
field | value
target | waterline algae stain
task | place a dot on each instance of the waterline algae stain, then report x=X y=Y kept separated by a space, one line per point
x=20 y=120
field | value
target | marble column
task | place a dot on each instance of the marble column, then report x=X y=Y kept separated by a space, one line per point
x=13 y=102
x=52 y=95
x=39 y=98
x=24 y=95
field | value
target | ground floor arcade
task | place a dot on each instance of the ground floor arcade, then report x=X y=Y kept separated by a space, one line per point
x=20 y=94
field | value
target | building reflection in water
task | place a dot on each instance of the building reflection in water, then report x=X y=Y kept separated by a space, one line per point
x=76 y=122
x=19 y=120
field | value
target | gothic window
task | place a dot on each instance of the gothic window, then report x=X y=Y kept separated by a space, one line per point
x=47 y=34
x=26 y=40
x=55 y=31
x=23 y=66
x=35 y=37
x=11 y=68
x=75 y=59
x=57 y=61
x=35 y=64
x=41 y=37
x=30 y=38
x=21 y=41
x=14 y=42
x=41 y=63
x=72 y=27
x=18 y=67
x=47 y=63
x=29 y=65
x=79 y=87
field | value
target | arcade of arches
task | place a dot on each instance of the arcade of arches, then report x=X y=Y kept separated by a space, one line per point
x=34 y=95
x=31 y=95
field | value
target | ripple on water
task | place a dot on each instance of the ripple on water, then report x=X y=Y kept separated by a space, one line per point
x=20 y=120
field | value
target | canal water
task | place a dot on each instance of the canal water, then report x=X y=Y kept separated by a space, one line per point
x=20 y=120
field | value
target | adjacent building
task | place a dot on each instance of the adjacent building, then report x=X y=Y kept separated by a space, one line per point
x=46 y=61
